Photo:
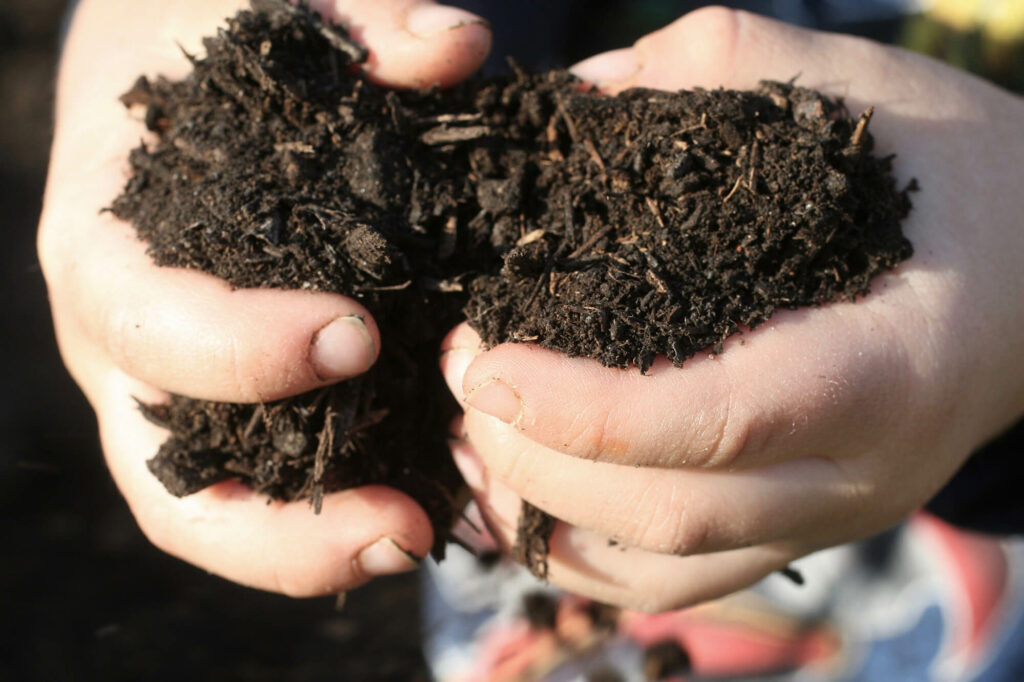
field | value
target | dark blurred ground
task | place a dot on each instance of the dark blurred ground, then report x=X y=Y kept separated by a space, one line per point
x=84 y=596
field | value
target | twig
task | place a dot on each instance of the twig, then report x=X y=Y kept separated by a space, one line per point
x=554 y=154
x=793 y=574
x=448 y=118
x=394 y=287
x=754 y=158
x=443 y=285
x=591 y=240
x=445 y=135
x=323 y=450
x=259 y=414
x=655 y=280
x=570 y=124
x=449 y=238
x=652 y=204
x=595 y=156
x=735 y=188
x=516 y=68
x=862 y=127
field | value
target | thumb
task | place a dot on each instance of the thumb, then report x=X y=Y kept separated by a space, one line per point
x=718 y=47
x=413 y=43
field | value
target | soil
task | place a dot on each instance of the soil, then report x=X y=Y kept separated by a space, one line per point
x=615 y=228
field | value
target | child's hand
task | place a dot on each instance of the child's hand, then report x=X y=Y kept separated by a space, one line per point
x=822 y=426
x=128 y=329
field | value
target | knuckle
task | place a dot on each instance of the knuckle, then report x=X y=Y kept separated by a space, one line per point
x=594 y=435
x=268 y=367
x=690 y=536
x=715 y=20
x=510 y=467
x=243 y=370
x=237 y=365
x=738 y=430
x=713 y=38
x=670 y=526
x=731 y=441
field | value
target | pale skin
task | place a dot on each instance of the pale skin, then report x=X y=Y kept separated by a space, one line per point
x=824 y=426
x=127 y=328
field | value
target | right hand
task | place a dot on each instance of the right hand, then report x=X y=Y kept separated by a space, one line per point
x=128 y=329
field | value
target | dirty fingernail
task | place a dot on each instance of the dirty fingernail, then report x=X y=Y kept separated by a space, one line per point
x=428 y=20
x=385 y=557
x=497 y=399
x=608 y=67
x=342 y=349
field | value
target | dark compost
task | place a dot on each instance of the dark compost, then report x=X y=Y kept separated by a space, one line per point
x=616 y=228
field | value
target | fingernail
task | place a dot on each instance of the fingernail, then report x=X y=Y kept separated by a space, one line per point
x=497 y=399
x=342 y=349
x=608 y=67
x=428 y=20
x=454 y=363
x=385 y=557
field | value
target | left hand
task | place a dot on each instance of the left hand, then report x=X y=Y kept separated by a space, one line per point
x=128 y=329
x=826 y=425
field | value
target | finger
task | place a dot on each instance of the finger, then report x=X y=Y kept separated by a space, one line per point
x=715 y=47
x=190 y=333
x=414 y=43
x=787 y=390
x=235 y=533
x=917 y=100
x=586 y=563
x=681 y=512
x=183 y=332
x=180 y=330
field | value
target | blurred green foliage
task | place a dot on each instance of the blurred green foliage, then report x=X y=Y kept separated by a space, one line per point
x=988 y=42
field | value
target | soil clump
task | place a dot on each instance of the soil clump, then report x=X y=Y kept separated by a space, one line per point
x=615 y=228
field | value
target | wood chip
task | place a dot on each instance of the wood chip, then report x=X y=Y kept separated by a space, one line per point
x=446 y=135
x=531 y=236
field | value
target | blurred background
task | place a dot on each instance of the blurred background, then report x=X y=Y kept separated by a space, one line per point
x=84 y=595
